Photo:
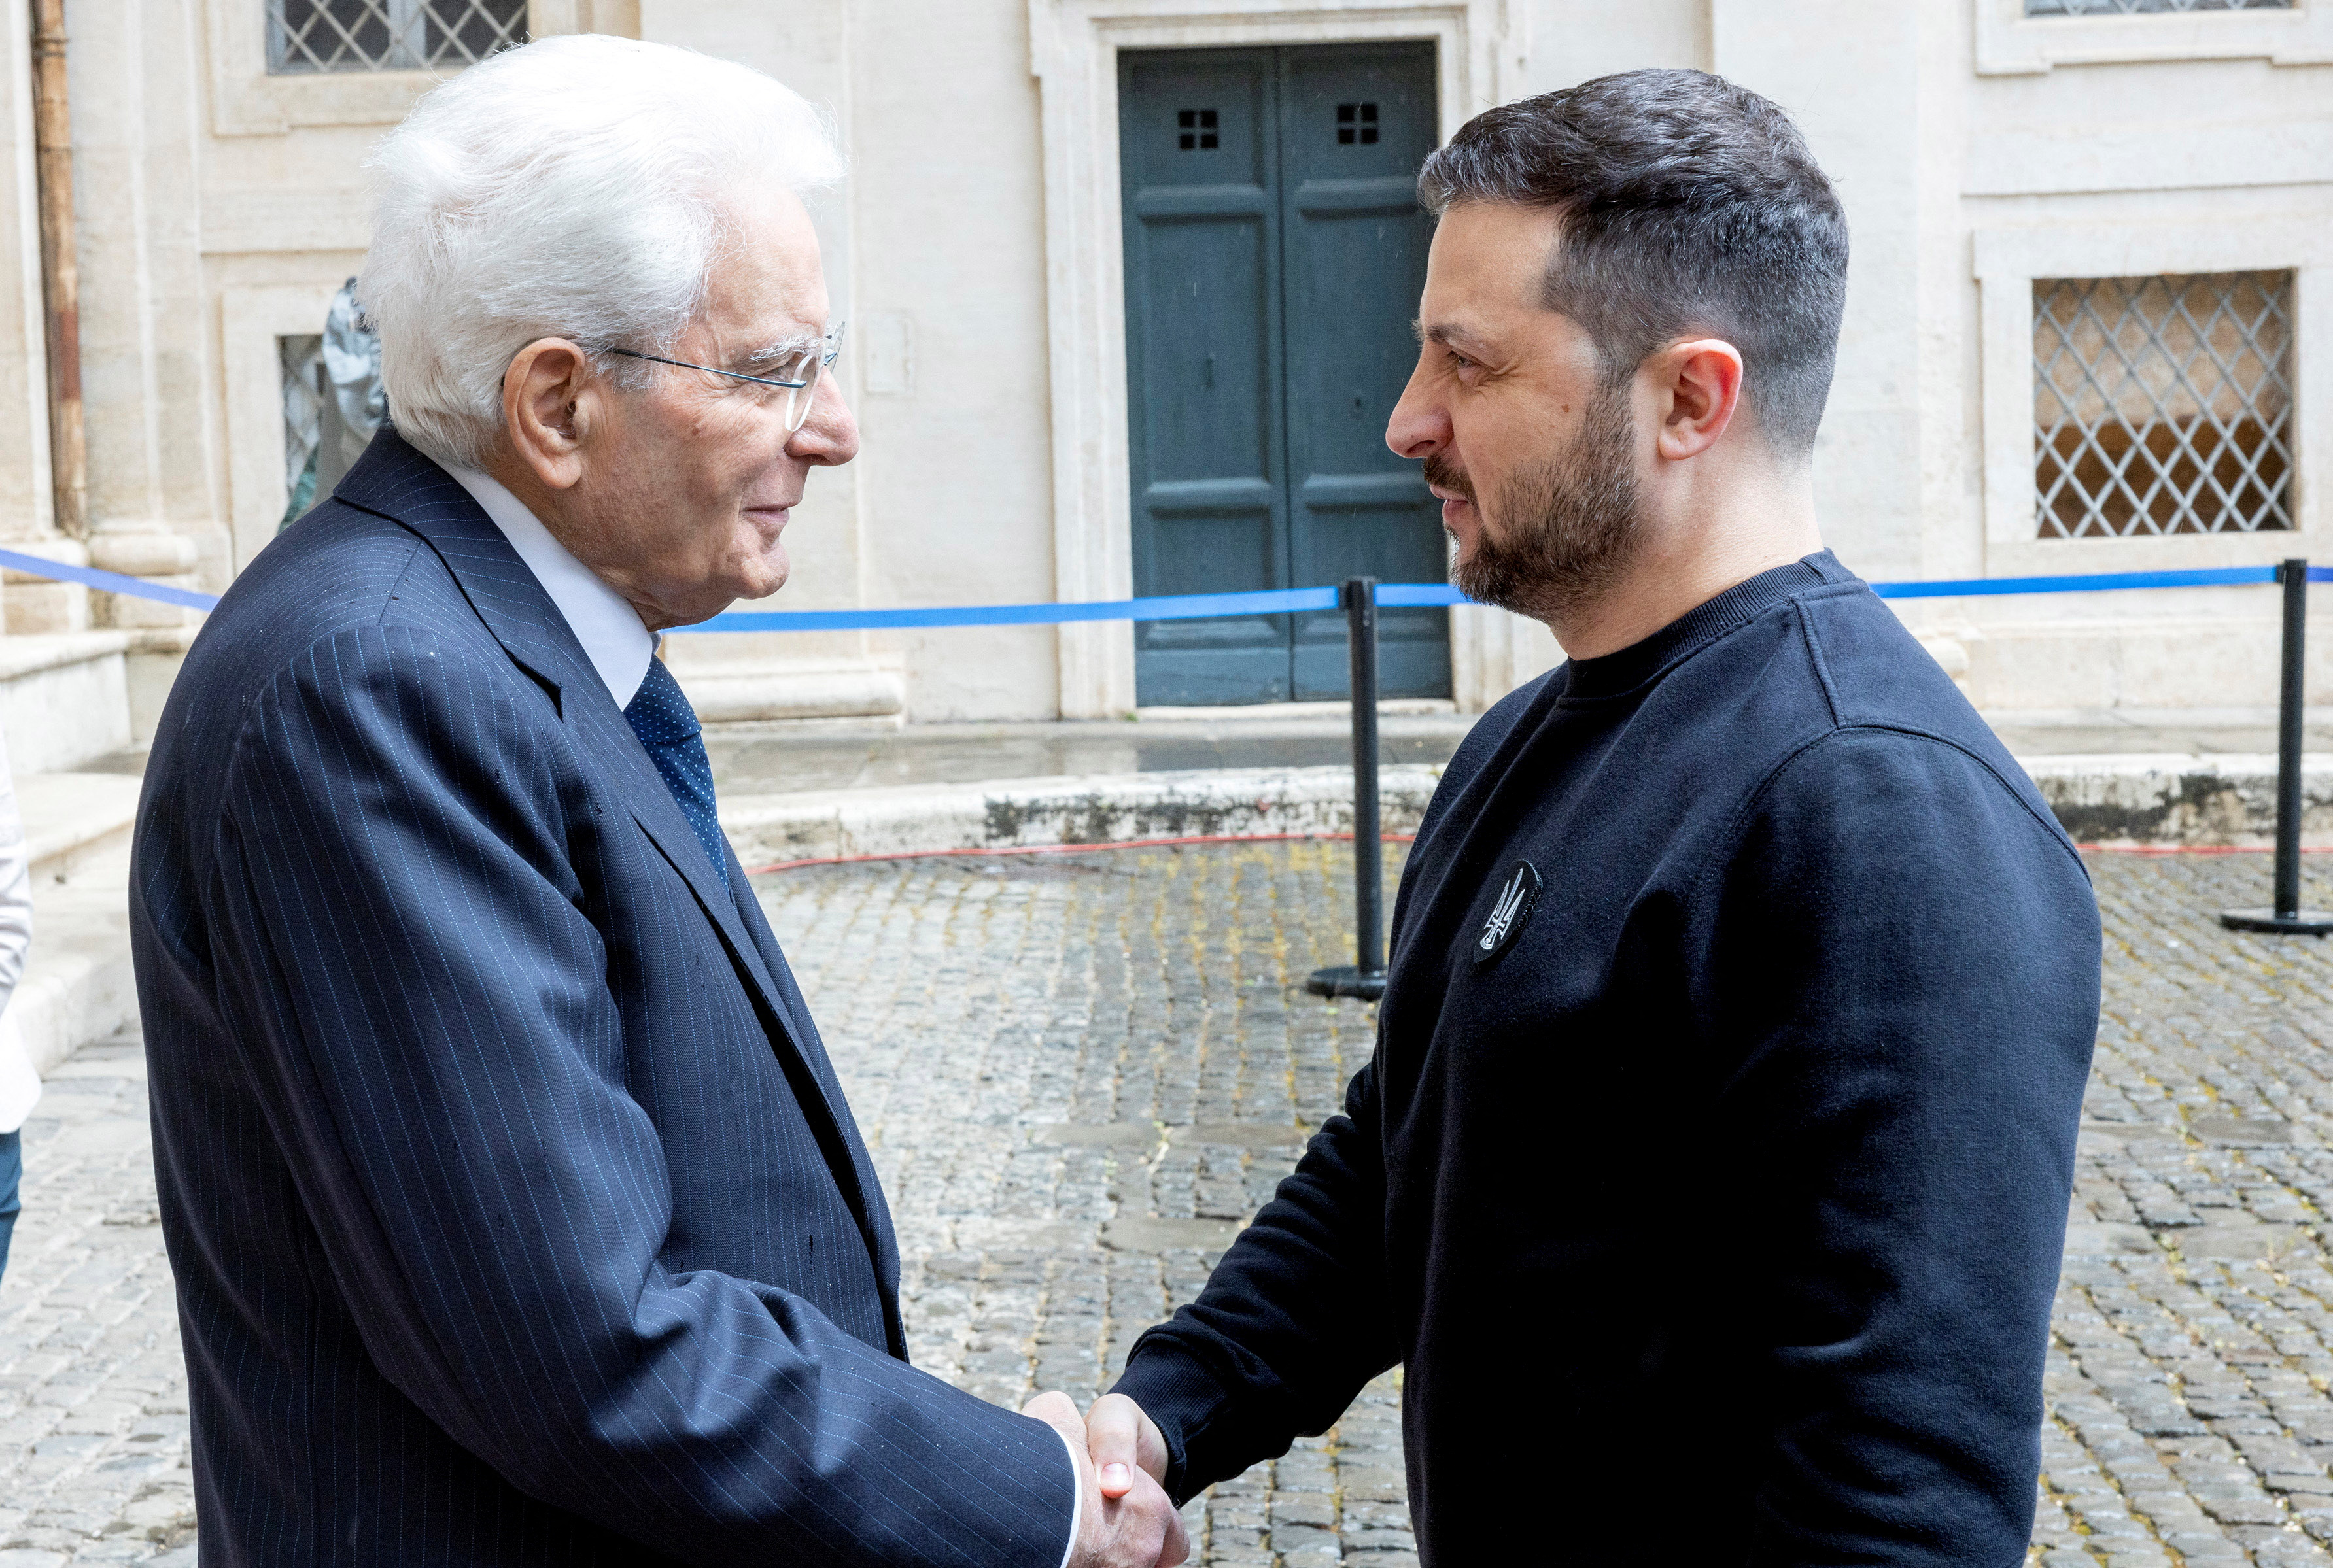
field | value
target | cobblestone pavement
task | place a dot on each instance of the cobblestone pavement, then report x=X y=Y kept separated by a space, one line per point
x=1079 y=1074
x=92 y=1387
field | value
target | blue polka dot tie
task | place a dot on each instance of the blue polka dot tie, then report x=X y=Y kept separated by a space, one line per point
x=667 y=725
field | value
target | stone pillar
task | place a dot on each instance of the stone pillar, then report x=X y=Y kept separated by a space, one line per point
x=156 y=494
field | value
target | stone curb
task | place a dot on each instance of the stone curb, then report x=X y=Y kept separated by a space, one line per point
x=2139 y=800
x=1022 y=813
x=2179 y=800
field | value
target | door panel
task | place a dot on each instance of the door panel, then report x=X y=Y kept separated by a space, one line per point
x=1274 y=252
x=1354 y=122
x=1204 y=354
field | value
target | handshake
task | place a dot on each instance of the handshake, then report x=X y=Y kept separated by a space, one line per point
x=1125 y=1517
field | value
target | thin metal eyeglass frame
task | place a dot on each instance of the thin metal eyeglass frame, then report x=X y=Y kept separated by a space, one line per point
x=797 y=410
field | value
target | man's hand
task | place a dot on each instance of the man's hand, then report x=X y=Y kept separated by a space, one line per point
x=1121 y=1438
x=1137 y=1525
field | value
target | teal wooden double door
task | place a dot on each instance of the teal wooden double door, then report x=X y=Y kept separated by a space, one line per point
x=1274 y=251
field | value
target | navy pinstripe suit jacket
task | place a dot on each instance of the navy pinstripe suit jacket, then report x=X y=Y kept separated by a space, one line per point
x=516 y=1213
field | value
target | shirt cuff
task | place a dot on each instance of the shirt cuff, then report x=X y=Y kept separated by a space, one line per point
x=1077 y=1500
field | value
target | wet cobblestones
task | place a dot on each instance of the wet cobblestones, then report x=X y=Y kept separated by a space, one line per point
x=2190 y=1418
x=1080 y=1074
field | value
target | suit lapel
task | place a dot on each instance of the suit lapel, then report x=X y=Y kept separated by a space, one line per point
x=394 y=481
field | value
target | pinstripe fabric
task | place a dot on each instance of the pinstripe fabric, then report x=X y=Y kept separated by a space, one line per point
x=517 y=1215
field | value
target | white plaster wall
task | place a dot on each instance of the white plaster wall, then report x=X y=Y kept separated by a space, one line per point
x=949 y=209
x=1568 y=42
x=1858 y=100
x=807 y=46
x=935 y=252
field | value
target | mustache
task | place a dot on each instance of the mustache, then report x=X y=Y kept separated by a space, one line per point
x=1445 y=475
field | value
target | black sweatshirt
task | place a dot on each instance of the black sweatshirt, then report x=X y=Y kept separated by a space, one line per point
x=1712 y=1201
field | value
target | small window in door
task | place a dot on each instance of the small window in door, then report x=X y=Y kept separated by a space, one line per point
x=1357 y=122
x=1198 y=129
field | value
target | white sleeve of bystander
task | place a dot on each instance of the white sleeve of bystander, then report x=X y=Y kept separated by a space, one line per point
x=20 y=1085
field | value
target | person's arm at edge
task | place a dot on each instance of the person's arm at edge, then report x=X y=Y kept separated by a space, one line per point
x=20 y=1085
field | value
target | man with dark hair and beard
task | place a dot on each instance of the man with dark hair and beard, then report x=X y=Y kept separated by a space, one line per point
x=1710 y=1177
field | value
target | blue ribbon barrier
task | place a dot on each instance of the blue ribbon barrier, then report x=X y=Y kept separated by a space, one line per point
x=1164 y=608
x=112 y=582
x=2094 y=583
x=1404 y=596
x=1197 y=607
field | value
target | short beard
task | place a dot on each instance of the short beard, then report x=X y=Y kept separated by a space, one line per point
x=1570 y=522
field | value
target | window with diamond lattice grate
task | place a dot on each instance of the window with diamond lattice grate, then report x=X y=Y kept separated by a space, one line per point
x=308 y=35
x=2162 y=405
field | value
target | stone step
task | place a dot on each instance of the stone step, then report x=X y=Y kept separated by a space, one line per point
x=1021 y=813
x=77 y=984
x=73 y=818
x=65 y=698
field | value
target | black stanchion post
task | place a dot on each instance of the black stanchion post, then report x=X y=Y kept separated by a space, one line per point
x=1364 y=979
x=2287 y=915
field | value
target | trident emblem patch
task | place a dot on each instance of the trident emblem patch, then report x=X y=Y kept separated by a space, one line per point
x=1518 y=896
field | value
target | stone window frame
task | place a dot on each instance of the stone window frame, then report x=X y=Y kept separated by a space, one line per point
x=246 y=100
x=324 y=44
x=2010 y=43
x=2007 y=261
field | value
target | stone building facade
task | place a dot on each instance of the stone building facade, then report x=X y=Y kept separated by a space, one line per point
x=2089 y=326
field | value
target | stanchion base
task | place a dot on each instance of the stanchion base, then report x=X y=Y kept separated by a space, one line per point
x=1368 y=985
x=2301 y=923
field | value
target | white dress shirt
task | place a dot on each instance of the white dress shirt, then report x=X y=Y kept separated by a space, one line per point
x=620 y=648
x=603 y=620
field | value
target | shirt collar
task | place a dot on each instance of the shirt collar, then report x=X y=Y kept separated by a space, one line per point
x=619 y=647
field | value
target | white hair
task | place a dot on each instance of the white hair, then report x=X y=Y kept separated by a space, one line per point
x=575 y=187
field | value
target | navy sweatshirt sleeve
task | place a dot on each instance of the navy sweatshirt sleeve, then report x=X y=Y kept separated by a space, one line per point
x=1883 y=984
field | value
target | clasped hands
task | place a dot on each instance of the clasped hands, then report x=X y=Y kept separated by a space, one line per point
x=1128 y=1521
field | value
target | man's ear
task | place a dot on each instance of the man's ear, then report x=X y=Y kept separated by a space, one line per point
x=551 y=404
x=1700 y=384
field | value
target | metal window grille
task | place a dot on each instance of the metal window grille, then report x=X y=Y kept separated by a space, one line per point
x=2162 y=405
x=2145 y=7
x=389 y=34
x=302 y=362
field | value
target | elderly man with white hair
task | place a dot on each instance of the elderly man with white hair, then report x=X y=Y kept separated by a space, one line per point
x=516 y=1211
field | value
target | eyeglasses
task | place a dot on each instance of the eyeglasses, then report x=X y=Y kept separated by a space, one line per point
x=800 y=381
